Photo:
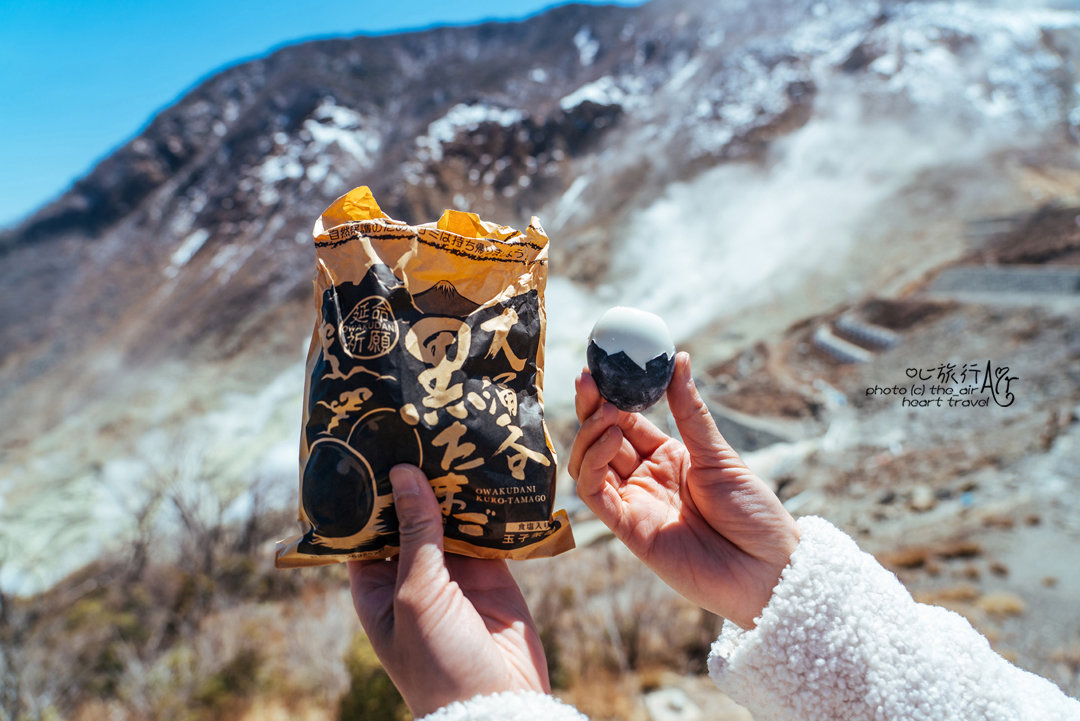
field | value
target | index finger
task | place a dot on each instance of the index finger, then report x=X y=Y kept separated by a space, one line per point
x=587 y=399
x=643 y=436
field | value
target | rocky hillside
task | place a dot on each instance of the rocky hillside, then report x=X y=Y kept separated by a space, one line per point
x=820 y=196
x=736 y=166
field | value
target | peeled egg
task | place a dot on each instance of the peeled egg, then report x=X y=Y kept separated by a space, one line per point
x=631 y=357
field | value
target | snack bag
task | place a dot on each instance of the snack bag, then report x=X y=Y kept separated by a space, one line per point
x=428 y=349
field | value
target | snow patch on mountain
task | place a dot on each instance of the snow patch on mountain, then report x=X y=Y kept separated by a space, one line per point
x=461 y=117
x=985 y=63
x=627 y=92
x=569 y=203
x=331 y=124
x=956 y=60
x=587 y=46
x=333 y=136
x=280 y=167
x=687 y=70
x=188 y=248
x=739 y=98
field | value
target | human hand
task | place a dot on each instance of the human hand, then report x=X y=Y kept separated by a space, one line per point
x=445 y=627
x=694 y=513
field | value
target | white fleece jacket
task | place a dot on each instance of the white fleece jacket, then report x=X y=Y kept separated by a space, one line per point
x=842 y=640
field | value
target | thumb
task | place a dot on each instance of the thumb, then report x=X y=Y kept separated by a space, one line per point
x=420 y=526
x=707 y=448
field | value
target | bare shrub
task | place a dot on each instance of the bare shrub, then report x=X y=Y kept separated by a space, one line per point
x=599 y=609
x=371 y=696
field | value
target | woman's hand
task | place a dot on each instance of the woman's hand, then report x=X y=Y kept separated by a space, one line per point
x=694 y=513
x=445 y=627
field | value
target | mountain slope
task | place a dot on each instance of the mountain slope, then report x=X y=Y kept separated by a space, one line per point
x=736 y=166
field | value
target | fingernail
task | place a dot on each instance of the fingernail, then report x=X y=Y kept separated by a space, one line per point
x=404 y=481
x=599 y=412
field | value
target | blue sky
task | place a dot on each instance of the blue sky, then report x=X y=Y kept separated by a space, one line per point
x=77 y=79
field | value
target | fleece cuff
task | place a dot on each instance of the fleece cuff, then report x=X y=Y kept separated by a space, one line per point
x=508 y=706
x=842 y=639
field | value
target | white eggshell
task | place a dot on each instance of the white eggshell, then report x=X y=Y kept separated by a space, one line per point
x=638 y=333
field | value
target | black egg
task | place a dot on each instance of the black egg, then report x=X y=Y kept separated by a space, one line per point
x=343 y=479
x=338 y=491
x=631 y=357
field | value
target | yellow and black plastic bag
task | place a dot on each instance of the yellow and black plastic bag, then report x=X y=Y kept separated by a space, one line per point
x=428 y=349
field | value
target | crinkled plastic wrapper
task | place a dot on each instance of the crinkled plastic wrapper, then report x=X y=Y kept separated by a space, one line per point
x=428 y=349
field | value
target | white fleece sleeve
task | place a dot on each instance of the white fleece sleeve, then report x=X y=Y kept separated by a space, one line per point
x=508 y=706
x=842 y=640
